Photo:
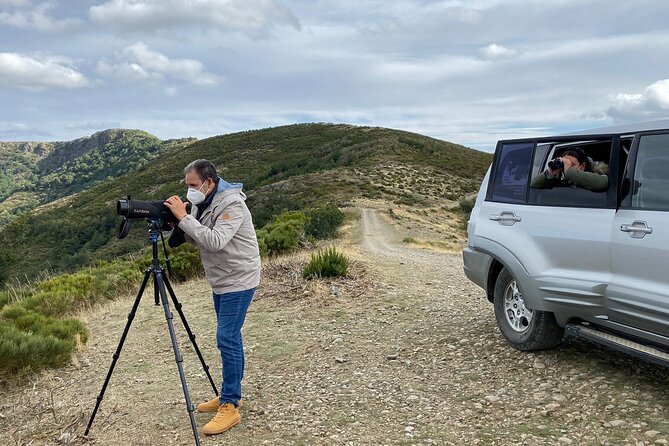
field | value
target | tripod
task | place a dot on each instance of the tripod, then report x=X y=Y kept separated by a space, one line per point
x=160 y=285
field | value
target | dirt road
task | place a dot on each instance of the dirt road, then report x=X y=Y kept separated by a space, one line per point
x=417 y=359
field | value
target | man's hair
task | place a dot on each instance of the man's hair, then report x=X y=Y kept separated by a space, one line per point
x=204 y=169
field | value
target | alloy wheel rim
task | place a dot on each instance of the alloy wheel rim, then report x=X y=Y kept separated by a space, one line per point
x=518 y=316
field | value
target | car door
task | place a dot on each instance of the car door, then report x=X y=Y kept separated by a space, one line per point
x=559 y=238
x=638 y=294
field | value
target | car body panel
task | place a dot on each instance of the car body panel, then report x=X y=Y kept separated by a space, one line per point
x=576 y=262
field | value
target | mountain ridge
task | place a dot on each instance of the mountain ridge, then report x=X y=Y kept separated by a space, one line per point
x=36 y=173
x=283 y=168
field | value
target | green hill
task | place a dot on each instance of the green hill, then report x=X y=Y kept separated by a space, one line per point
x=288 y=167
x=19 y=164
x=38 y=173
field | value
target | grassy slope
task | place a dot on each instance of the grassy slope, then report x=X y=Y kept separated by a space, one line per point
x=283 y=168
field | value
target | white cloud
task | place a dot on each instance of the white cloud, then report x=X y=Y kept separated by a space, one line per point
x=36 y=18
x=652 y=103
x=255 y=18
x=38 y=72
x=495 y=51
x=138 y=62
x=20 y=130
x=431 y=70
x=94 y=126
x=14 y=2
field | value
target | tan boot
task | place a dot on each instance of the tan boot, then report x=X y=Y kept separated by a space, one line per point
x=213 y=405
x=210 y=406
x=226 y=417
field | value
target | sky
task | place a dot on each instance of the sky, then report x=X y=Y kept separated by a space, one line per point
x=466 y=71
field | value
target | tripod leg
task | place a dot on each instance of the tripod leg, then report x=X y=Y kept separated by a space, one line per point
x=131 y=316
x=178 y=306
x=160 y=279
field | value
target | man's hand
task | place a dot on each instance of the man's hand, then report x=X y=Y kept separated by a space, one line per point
x=177 y=207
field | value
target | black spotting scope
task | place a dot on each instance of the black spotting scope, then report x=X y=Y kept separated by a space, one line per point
x=151 y=210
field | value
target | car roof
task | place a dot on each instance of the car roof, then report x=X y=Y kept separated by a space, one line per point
x=659 y=124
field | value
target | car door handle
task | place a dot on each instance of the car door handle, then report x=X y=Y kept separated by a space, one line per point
x=506 y=218
x=638 y=229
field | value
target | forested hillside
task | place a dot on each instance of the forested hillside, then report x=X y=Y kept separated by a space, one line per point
x=290 y=167
x=38 y=173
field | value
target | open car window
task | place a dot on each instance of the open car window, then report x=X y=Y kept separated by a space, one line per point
x=561 y=192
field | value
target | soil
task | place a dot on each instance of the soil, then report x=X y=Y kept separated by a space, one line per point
x=405 y=351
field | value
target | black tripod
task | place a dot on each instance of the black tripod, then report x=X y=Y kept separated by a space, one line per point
x=160 y=284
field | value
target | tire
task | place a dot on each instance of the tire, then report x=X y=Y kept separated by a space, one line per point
x=525 y=329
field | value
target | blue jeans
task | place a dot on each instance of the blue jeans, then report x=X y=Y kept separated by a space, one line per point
x=231 y=312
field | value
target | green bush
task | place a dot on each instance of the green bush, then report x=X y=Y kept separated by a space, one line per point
x=24 y=351
x=283 y=234
x=185 y=262
x=323 y=221
x=326 y=263
x=466 y=205
x=33 y=331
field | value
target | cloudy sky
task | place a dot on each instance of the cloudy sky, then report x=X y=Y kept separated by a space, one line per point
x=467 y=71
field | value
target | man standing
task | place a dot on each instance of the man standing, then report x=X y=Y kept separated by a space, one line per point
x=220 y=225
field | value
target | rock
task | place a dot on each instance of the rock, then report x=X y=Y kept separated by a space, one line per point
x=661 y=441
x=565 y=440
x=616 y=423
x=551 y=407
x=492 y=398
x=559 y=397
x=478 y=406
x=339 y=360
x=651 y=434
x=409 y=429
x=413 y=398
x=392 y=357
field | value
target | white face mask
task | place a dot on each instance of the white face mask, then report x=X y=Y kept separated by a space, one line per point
x=196 y=196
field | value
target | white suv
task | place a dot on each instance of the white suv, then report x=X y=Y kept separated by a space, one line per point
x=561 y=256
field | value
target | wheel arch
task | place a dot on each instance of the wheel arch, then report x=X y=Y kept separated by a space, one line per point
x=495 y=268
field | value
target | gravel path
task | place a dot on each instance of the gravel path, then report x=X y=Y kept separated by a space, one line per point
x=416 y=359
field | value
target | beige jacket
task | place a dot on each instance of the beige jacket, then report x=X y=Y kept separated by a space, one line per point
x=226 y=240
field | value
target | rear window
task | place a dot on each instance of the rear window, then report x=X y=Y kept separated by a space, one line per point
x=510 y=175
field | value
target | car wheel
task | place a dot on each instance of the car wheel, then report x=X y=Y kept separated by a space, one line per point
x=524 y=328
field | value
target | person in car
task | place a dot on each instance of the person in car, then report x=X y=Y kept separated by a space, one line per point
x=577 y=170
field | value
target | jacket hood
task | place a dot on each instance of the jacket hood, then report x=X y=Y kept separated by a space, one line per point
x=224 y=189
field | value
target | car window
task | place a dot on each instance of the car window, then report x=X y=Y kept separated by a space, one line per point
x=511 y=173
x=650 y=184
x=560 y=192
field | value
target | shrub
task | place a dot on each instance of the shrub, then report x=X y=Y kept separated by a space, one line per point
x=326 y=263
x=409 y=240
x=33 y=331
x=23 y=351
x=185 y=262
x=323 y=221
x=466 y=205
x=283 y=234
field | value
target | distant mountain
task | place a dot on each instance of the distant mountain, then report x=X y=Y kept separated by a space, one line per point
x=289 y=167
x=38 y=173
x=18 y=164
